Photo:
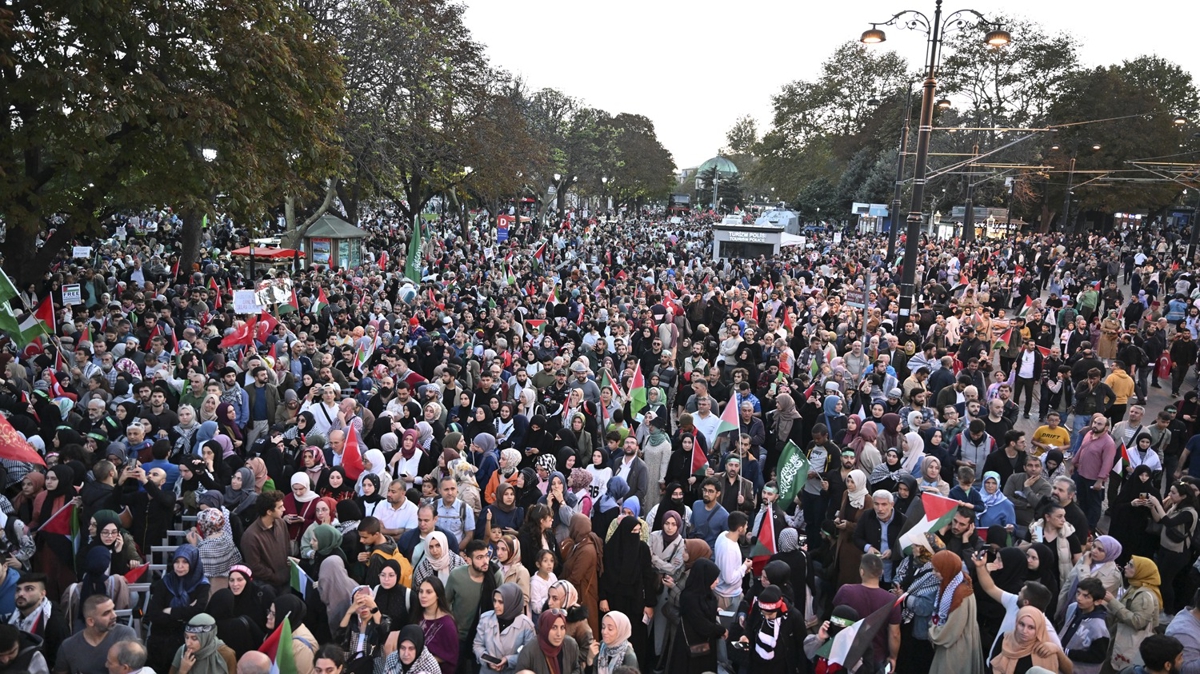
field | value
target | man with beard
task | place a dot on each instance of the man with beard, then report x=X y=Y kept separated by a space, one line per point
x=87 y=651
x=466 y=586
x=38 y=616
x=709 y=517
x=633 y=470
x=99 y=421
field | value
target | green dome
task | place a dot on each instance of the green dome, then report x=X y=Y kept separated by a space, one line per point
x=724 y=166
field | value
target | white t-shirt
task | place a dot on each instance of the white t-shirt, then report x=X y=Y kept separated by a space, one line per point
x=404 y=517
x=728 y=558
x=599 y=485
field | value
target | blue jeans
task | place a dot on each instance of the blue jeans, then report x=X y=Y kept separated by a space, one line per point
x=1091 y=501
x=1078 y=423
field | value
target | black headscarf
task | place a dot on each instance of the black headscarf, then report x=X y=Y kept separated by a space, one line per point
x=375 y=496
x=1046 y=574
x=528 y=495
x=394 y=602
x=623 y=552
x=286 y=604
x=699 y=586
x=668 y=503
x=65 y=489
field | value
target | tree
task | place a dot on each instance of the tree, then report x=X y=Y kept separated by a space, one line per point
x=110 y=106
x=742 y=136
x=643 y=169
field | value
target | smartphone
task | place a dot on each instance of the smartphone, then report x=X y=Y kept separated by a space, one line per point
x=1144 y=496
x=491 y=659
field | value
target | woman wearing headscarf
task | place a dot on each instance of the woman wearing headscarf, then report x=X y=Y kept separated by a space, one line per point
x=835 y=419
x=915 y=576
x=194 y=478
x=1008 y=573
x=1039 y=562
x=953 y=630
x=1000 y=510
x=240 y=495
x=503 y=631
x=203 y=651
x=304 y=643
x=177 y=597
x=226 y=421
x=312 y=461
x=554 y=652
x=208 y=408
x=666 y=555
x=32 y=485
x=439 y=560
x=787 y=422
x=299 y=506
x=371 y=494
x=94 y=579
x=410 y=655
x=613 y=650
x=887 y=474
x=865 y=451
x=608 y=507
x=262 y=480
x=674 y=499
x=855 y=501
x=504 y=514
x=1135 y=614
x=55 y=555
x=1128 y=523
x=698 y=623
x=914 y=444
x=656 y=449
x=512 y=570
x=336 y=485
x=1025 y=645
x=375 y=464
x=1099 y=561
x=906 y=492
x=796 y=560
x=583 y=566
x=185 y=438
x=214 y=540
x=250 y=597
x=853 y=426
x=104 y=530
x=362 y=630
x=393 y=599
x=931 y=477
x=237 y=630
x=628 y=582
x=561 y=502
x=892 y=434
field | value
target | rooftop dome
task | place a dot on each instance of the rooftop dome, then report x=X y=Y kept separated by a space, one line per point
x=724 y=166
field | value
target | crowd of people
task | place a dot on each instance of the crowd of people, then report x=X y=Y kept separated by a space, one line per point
x=519 y=456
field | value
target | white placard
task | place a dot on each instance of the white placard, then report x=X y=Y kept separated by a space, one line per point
x=71 y=294
x=82 y=251
x=246 y=302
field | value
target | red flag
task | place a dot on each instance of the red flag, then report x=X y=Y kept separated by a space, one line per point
x=13 y=448
x=271 y=352
x=352 y=453
x=271 y=645
x=266 y=323
x=699 y=459
x=175 y=269
x=242 y=336
x=45 y=314
x=135 y=574
x=383 y=260
x=212 y=285
x=57 y=390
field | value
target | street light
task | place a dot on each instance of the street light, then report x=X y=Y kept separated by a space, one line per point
x=1070 y=184
x=915 y=20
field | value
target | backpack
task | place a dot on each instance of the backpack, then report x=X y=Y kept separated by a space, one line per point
x=382 y=554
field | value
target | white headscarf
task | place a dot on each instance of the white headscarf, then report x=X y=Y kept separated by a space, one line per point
x=913 y=452
x=857 y=495
x=378 y=463
x=302 y=478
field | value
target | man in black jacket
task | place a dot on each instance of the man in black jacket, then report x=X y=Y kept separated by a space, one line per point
x=878 y=532
x=152 y=507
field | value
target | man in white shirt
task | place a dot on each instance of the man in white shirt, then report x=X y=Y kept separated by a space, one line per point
x=727 y=555
x=705 y=421
x=322 y=404
x=397 y=514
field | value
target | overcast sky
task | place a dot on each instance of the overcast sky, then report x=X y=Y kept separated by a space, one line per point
x=695 y=67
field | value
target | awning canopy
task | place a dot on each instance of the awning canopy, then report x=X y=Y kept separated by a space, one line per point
x=786 y=240
x=268 y=253
x=333 y=227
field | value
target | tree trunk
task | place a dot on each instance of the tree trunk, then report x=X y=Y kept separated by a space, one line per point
x=25 y=261
x=190 y=232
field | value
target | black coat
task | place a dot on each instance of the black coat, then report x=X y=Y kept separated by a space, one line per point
x=868 y=531
x=153 y=511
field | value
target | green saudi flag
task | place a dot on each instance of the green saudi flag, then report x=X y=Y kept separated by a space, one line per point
x=793 y=472
x=412 y=267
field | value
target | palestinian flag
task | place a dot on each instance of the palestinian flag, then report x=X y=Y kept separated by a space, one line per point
x=699 y=458
x=300 y=582
x=539 y=255
x=278 y=647
x=509 y=277
x=606 y=380
x=729 y=418
x=939 y=510
x=1002 y=341
x=536 y=325
x=1025 y=309
x=135 y=574
x=216 y=290
x=288 y=307
x=1122 y=464
x=352 y=461
x=553 y=298
x=321 y=303
x=42 y=319
x=849 y=645
x=764 y=539
x=637 y=392
x=792 y=472
x=1044 y=350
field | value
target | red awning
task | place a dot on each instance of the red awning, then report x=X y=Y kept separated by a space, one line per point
x=268 y=253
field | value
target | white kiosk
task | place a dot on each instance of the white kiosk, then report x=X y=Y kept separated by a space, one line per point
x=738 y=240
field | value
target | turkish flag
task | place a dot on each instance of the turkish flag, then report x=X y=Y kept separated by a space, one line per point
x=352 y=453
x=242 y=336
x=13 y=448
x=266 y=323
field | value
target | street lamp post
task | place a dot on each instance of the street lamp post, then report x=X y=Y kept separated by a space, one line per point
x=914 y=20
x=897 y=196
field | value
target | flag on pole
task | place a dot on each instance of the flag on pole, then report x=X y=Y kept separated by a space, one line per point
x=352 y=454
x=539 y=255
x=212 y=285
x=637 y=391
x=1027 y=306
x=1002 y=341
x=764 y=540
x=699 y=458
x=8 y=291
x=13 y=448
x=291 y=305
x=241 y=336
x=849 y=645
x=175 y=269
x=43 y=319
x=939 y=510
x=412 y=266
x=509 y=277
x=135 y=574
x=793 y=471
x=322 y=301
x=729 y=418
x=383 y=260
x=1122 y=463
x=300 y=581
